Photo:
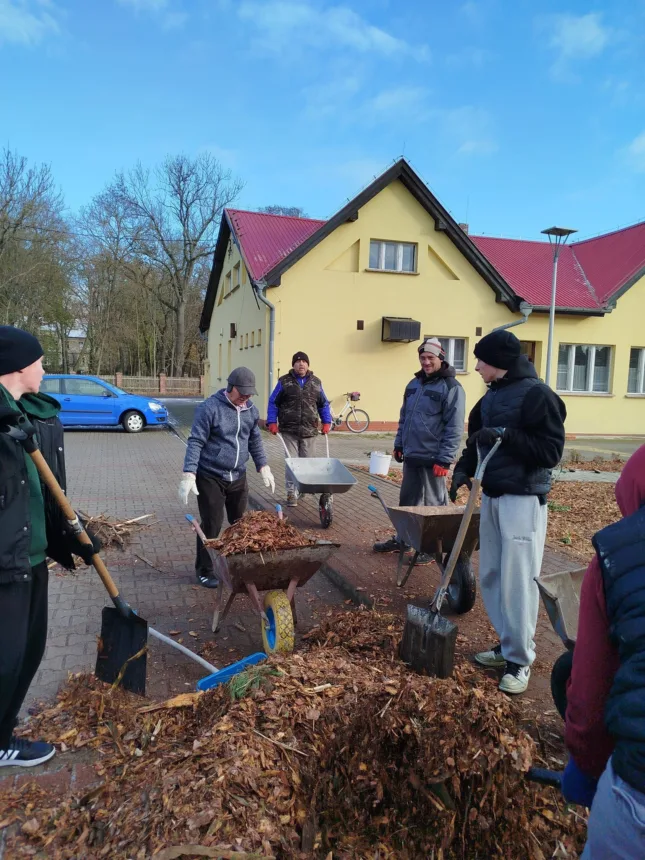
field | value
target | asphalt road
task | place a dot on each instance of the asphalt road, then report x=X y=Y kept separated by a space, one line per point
x=355 y=448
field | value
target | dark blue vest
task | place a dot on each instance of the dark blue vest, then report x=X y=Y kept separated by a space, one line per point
x=506 y=472
x=621 y=552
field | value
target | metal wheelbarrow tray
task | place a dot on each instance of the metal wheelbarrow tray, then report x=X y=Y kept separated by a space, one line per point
x=561 y=597
x=324 y=475
x=319 y=475
x=278 y=573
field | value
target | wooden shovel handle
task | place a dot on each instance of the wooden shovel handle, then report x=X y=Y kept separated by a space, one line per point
x=48 y=478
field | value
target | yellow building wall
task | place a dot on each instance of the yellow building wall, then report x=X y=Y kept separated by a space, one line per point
x=238 y=305
x=323 y=295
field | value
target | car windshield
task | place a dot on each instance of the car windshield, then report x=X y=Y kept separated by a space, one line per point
x=118 y=390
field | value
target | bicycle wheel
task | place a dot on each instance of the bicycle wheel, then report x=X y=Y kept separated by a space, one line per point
x=357 y=421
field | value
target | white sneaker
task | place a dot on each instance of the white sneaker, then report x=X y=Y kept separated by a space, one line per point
x=491 y=659
x=515 y=679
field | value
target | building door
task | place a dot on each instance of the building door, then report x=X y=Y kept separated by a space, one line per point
x=528 y=349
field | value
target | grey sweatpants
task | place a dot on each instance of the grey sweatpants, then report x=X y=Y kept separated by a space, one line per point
x=616 y=826
x=298 y=447
x=512 y=532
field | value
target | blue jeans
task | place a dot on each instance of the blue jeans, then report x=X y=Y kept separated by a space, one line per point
x=616 y=829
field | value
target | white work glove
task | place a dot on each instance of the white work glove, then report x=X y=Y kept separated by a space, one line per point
x=187 y=486
x=267 y=477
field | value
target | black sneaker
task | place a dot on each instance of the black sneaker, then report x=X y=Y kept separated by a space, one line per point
x=423 y=558
x=24 y=753
x=393 y=544
x=208 y=580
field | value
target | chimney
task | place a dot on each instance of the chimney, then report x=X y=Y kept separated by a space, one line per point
x=464 y=227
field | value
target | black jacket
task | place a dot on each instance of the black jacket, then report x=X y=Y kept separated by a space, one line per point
x=299 y=405
x=620 y=548
x=15 y=532
x=533 y=417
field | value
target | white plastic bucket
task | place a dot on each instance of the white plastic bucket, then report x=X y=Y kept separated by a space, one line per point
x=380 y=463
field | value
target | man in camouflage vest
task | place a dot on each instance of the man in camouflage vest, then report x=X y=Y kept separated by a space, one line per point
x=297 y=407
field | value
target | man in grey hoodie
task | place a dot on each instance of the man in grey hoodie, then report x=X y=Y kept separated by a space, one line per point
x=224 y=434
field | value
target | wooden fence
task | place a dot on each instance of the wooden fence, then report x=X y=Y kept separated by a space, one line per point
x=169 y=386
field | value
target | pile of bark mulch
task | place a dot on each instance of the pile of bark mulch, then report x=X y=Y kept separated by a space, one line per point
x=576 y=512
x=598 y=464
x=339 y=752
x=259 y=531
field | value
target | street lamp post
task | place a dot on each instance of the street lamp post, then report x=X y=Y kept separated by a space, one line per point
x=557 y=238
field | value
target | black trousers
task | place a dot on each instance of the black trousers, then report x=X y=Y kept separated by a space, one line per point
x=215 y=497
x=23 y=634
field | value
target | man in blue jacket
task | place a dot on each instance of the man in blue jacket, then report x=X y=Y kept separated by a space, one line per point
x=224 y=434
x=431 y=425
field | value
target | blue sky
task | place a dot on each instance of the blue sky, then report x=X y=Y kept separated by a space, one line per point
x=517 y=114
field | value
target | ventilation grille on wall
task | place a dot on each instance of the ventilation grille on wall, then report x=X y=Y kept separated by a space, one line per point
x=400 y=330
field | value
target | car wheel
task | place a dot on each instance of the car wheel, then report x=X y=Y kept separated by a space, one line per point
x=133 y=422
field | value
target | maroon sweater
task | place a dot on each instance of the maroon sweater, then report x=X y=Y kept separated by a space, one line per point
x=595 y=660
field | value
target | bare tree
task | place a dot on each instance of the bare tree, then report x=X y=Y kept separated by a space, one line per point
x=293 y=211
x=174 y=213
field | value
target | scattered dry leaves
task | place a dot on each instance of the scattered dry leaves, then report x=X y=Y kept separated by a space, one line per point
x=342 y=749
x=259 y=531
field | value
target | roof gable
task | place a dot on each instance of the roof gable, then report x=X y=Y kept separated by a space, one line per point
x=613 y=262
x=269 y=247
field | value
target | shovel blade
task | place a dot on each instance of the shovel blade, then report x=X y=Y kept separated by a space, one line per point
x=428 y=644
x=122 y=638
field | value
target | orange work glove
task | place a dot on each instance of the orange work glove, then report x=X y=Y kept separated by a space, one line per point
x=272 y=428
x=326 y=428
x=440 y=471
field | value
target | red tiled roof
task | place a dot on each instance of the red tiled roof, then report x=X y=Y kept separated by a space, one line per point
x=267 y=239
x=528 y=268
x=612 y=260
x=589 y=272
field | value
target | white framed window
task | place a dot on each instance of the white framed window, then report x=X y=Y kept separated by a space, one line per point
x=636 y=378
x=455 y=349
x=227 y=284
x=393 y=256
x=583 y=368
x=237 y=276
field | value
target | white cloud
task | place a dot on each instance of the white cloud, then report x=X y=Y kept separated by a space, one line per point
x=325 y=100
x=635 y=153
x=145 y=5
x=169 y=19
x=285 y=24
x=575 y=38
x=26 y=23
x=469 y=129
x=408 y=103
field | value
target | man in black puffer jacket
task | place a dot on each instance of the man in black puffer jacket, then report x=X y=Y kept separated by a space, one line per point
x=529 y=419
x=32 y=527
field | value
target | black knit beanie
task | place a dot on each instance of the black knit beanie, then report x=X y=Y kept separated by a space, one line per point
x=300 y=356
x=499 y=349
x=18 y=349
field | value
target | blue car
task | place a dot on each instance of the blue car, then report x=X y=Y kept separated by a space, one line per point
x=91 y=401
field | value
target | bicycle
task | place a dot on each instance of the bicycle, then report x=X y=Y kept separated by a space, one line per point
x=357 y=420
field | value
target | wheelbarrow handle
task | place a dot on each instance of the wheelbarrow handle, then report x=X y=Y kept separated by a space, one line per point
x=376 y=493
x=284 y=444
x=196 y=527
x=449 y=569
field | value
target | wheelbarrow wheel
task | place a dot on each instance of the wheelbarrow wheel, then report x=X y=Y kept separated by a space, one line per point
x=279 y=636
x=462 y=590
x=326 y=510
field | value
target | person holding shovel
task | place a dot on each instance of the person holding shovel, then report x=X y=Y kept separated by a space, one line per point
x=225 y=433
x=431 y=425
x=31 y=528
x=297 y=407
x=528 y=417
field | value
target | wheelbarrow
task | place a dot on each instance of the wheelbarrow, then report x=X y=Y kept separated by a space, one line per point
x=560 y=594
x=277 y=573
x=314 y=475
x=432 y=530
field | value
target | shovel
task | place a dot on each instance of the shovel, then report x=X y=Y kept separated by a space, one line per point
x=429 y=639
x=122 y=649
